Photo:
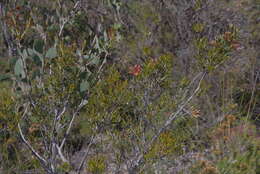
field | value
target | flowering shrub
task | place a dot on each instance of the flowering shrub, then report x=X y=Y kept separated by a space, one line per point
x=129 y=86
x=136 y=70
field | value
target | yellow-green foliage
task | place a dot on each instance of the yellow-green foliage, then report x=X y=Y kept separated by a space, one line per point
x=59 y=84
x=198 y=4
x=8 y=116
x=204 y=167
x=7 y=102
x=235 y=162
x=210 y=54
x=110 y=102
x=166 y=145
x=8 y=125
x=114 y=101
x=235 y=150
x=63 y=80
x=171 y=142
x=247 y=162
x=65 y=167
x=118 y=105
x=198 y=27
x=158 y=68
x=146 y=14
x=236 y=141
x=145 y=18
x=97 y=164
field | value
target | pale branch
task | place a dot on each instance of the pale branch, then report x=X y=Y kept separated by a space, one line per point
x=68 y=130
x=103 y=63
x=56 y=119
x=45 y=141
x=85 y=155
x=62 y=157
x=82 y=103
x=6 y=35
x=66 y=20
x=250 y=107
x=137 y=161
x=174 y=115
x=29 y=146
x=36 y=154
x=62 y=112
x=190 y=85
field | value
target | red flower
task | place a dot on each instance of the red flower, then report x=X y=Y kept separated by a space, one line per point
x=18 y=8
x=135 y=70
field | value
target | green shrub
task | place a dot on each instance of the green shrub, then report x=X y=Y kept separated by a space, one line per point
x=97 y=165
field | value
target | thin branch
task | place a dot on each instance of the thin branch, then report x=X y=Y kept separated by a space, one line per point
x=175 y=114
x=45 y=140
x=137 y=161
x=62 y=112
x=57 y=117
x=36 y=154
x=7 y=37
x=66 y=20
x=61 y=154
x=252 y=95
x=82 y=103
x=85 y=155
x=190 y=85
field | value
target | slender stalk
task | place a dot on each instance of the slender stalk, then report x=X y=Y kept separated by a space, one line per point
x=137 y=161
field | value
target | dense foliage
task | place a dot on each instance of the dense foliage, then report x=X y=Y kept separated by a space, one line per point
x=141 y=86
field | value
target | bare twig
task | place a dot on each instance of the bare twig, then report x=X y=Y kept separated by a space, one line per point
x=85 y=155
x=35 y=153
x=175 y=114
x=62 y=112
x=43 y=161
x=7 y=37
x=137 y=160
x=61 y=154
x=250 y=107
x=82 y=103
x=66 y=20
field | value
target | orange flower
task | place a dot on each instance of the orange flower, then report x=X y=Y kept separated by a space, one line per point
x=136 y=70
x=195 y=113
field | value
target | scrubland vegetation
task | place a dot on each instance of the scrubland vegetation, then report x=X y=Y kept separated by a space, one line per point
x=129 y=87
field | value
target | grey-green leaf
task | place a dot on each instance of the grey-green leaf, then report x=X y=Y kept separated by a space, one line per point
x=39 y=56
x=95 y=60
x=52 y=53
x=84 y=86
x=38 y=45
x=30 y=51
x=25 y=54
x=18 y=68
x=37 y=60
x=5 y=77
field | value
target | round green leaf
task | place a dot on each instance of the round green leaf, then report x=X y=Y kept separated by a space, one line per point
x=18 y=68
x=84 y=86
x=51 y=53
x=38 y=45
x=5 y=77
